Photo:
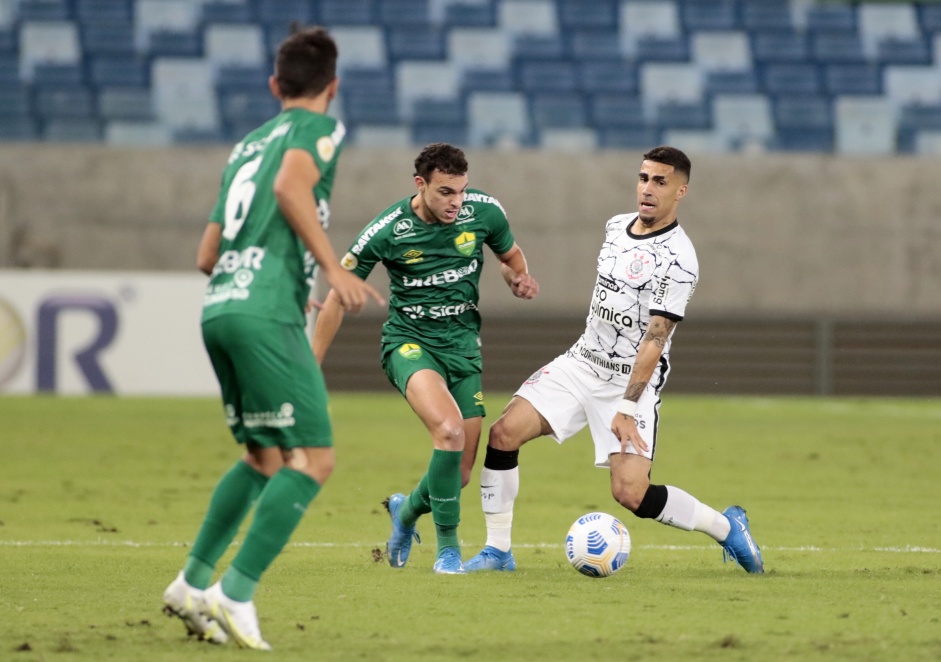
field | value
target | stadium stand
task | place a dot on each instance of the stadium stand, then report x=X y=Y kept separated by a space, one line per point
x=486 y=72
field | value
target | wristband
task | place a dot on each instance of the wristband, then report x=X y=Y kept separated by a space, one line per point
x=627 y=407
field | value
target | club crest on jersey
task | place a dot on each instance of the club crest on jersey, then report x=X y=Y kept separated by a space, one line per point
x=608 y=283
x=410 y=351
x=466 y=213
x=349 y=262
x=402 y=227
x=325 y=148
x=640 y=266
x=536 y=375
x=465 y=243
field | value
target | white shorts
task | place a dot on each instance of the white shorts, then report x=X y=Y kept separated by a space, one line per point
x=569 y=398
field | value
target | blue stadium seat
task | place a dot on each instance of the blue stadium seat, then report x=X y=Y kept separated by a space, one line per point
x=803 y=140
x=108 y=38
x=440 y=112
x=539 y=47
x=470 y=16
x=662 y=49
x=404 y=13
x=58 y=74
x=255 y=107
x=929 y=17
x=64 y=101
x=803 y=112
x=9 y=40
x=365 y=79
x=108 y=71
x=904 y=51
x=286 y=12
x=635 y=138
x=175 y=43
x=842 y=47
x=415 y=43
x=14 y=102
x=71 y=130
x=366 y=106
x=617 y=111
x=832 y=18
x=605 y=76
x=779 y=46
x=846 y=79
x=219 y=11
x=108 y=11
x=731 y=82
x=558 y=111
x=9 y=70
x=19 y=129
x=423 y=134
x=684 y=115
x=596 y=45
x=703 y=15
x=238 y=78
x=348 y=12
x=791 y=79
x=912 y=120
x=579 y=14
x=43 y=10
x=126 y=104
x=548 y=76
x=487 y=80
x=766 y=15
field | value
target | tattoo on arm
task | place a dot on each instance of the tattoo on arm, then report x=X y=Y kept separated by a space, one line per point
x=634 y=391
x=659 y=330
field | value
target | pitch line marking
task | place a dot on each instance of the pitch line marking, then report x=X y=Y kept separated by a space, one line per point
x=102 y=542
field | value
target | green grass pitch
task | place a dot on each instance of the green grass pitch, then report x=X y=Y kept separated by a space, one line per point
x=99 y=498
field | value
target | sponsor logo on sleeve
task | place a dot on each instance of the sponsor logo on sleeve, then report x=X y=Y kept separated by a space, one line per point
x=349 y=262
x=325 y=148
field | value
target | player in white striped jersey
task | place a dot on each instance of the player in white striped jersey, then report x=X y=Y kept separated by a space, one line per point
x=611 y=378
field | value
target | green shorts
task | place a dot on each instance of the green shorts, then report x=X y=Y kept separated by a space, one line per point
x=460 y=373
x=272 y=388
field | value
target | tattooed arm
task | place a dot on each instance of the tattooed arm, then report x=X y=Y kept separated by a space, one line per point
x=648 y=355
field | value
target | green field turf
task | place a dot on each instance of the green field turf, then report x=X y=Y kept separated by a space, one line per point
x=99 y=498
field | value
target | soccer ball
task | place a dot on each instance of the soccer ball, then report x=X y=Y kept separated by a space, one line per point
x=597 y=544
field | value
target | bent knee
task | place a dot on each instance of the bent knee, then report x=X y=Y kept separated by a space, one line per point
x=449 y=435
x=629 y=496
x=502 y=437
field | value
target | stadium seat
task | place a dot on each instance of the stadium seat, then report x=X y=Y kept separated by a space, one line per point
x=47 y=43
x=847 y=79
x=363 y=79
x=608 y=76
x=251 y=107
x=9 y=39
x=64 y=101
x=617 y=111
x=137 y=134
x=929 y=17
x=912 y=85
x=904 y=51
x=227 y=12
x=424 y=133
x=487 y=80
x=769 y=15
x=539 y=47
x=229 y=78
x=842 y=47
x=119 y=72
x=721 y=51
x=113 y=38
x=404 y=13
x=125 y=103
x=361 y=46
x=779 y=46
x=582 y=14
x=93 y=12
x=578 y=139
x=478 y=15
x=803 y=112
x=780 y=79
x=241 y=45
x=881 y=22
x=348 y=12
x=9 y=70
x=415 y=43
x=653 y=48
x=14 y=102
x=184 y=95
x=864 y=125
x=449 y=112
x=669 y=83
x=174 y=17
x=743 y=119
x=68 y=130
x=915 y=121
x=596 y=45
x=558 y=111
x=19 y=129
x=635 y=138
x=831 y=18
x=730 y=82
x=423 y=80
x=286 y=12
x=673 y=115
x=803 y=140
x=706 y=15
x=58 y=74
x=175 y=43
x=548 y=76
x=369 y=106
x=646 y=19
x=479 y=48
x=43 y=10
x=498 y=118
x=516 y=17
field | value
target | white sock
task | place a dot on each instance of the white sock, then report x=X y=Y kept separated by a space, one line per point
x=684 y=511
x=498 y=491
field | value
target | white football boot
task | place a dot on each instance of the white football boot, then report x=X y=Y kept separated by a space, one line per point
x=238 y=619
x=186 y=603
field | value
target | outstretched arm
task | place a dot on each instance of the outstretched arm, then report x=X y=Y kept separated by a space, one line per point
x=515 y=272
x=648 y=354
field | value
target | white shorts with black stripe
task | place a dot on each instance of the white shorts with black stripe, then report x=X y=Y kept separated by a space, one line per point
x=570 y=398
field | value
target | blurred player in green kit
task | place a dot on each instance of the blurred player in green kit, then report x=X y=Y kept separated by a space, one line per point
x=263 y=241
x=431 y=244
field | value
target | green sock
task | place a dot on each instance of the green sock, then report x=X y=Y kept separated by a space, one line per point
x=230 y=502
x=417 y=504
x=444 y=490
x=280 y=509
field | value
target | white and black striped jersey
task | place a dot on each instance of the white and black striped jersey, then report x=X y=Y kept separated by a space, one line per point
x=638 y=276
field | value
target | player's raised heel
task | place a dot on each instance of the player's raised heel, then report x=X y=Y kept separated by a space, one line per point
x=491 y=558
x=449 y=562
x=186 y=603
x=399 y=544
x=740 y=546
x=238 y=619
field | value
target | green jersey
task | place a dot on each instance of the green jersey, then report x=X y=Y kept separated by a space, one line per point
x=434 y=270
x=264 y=269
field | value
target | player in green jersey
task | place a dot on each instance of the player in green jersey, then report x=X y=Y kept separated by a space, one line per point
x=432 y=244
x=262 y=242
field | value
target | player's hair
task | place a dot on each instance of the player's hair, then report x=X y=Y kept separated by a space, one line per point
x=446 y=158
x=306 y=62
x=670 y=156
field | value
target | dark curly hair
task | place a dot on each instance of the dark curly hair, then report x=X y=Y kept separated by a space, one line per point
x=443 y=157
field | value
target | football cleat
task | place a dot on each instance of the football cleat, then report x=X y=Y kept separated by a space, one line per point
x=238 y=619
x=739 y=545
x=491 y=558
x=400 y=542
x=449 y=562
x=186 y=603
